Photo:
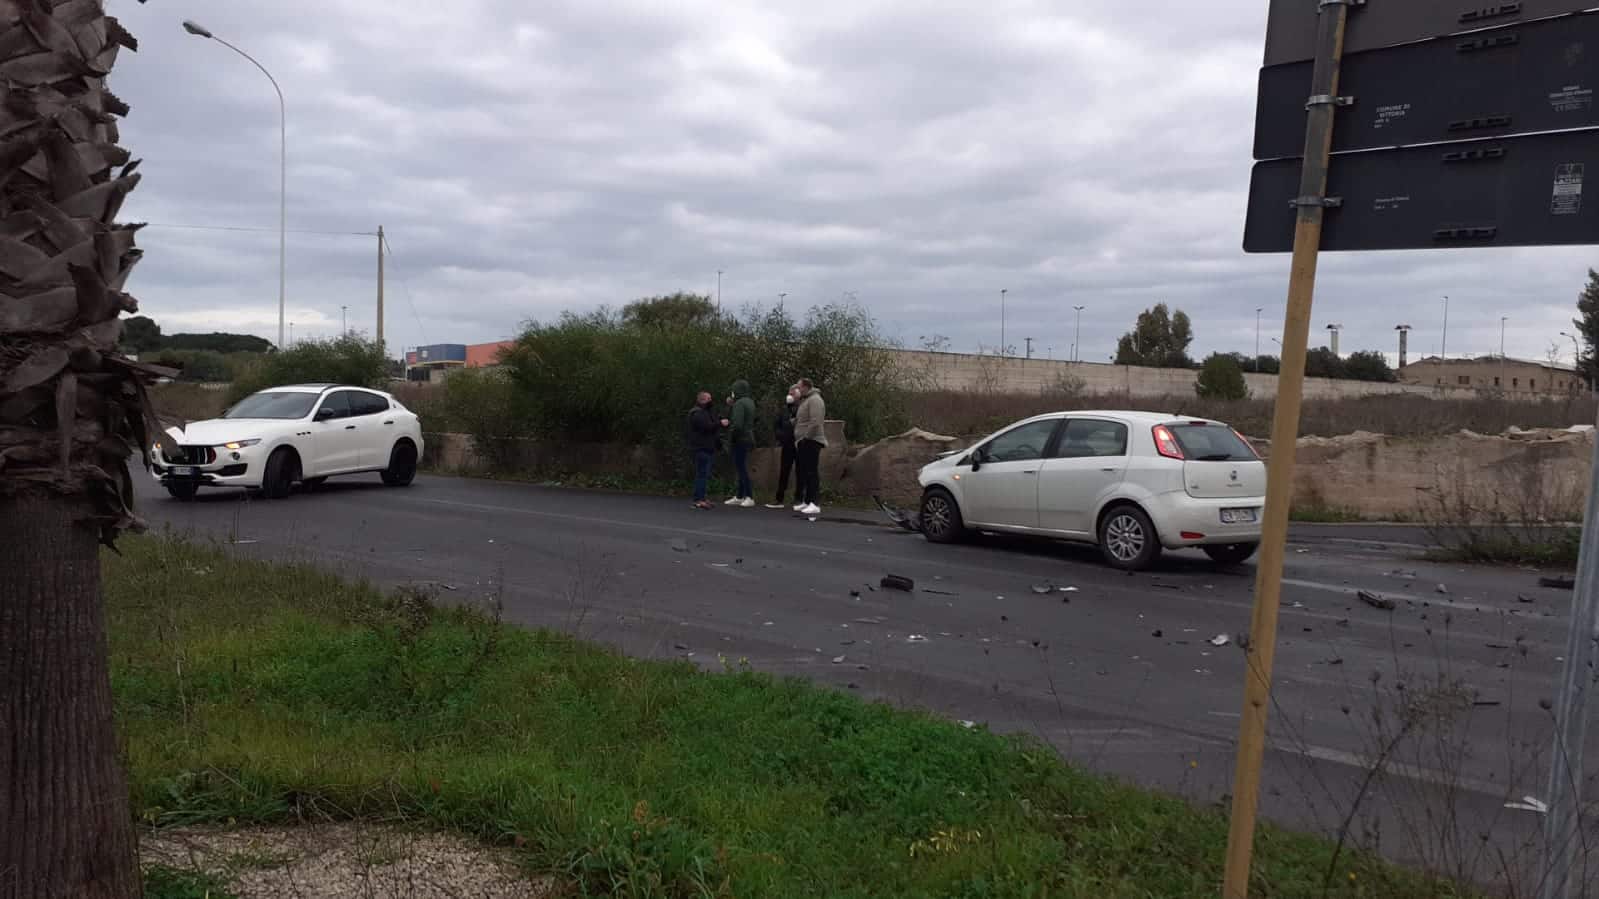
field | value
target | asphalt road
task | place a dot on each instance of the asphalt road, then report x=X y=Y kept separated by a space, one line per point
x=1122 y=673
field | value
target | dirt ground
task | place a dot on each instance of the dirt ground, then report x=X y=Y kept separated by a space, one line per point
x=340 y=860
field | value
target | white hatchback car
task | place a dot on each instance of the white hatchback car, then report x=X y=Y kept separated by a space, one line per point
x=301 y=433
x=1132 y=482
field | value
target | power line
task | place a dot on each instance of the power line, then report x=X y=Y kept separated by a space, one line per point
x=405 y=287
x=256 y=230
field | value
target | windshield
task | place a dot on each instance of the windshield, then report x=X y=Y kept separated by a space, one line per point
x=1211 y=443
x=273 y=404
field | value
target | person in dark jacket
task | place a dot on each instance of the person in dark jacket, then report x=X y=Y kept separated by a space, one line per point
x=784 y=426
x=742 y=430
x=704 y=437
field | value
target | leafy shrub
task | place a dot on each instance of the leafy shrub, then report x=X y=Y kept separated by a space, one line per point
x=1221 y=378
x=345 y=360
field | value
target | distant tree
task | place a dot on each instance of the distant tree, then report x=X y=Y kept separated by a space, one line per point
x=1588 y=327
x=1159 y=339
x=1221 y=378
x=1368 y=365
x=140 y=334
x=1266 y=365
x=678 y=310
x=1322 y=362
x=345 y=360
x=217 y=342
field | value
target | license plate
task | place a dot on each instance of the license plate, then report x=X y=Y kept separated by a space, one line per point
x=190 y=471
x=1238 y=516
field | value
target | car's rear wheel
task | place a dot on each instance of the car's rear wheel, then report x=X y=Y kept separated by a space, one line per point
x=941 y=517
x=1230 y=553
x=183 y=491
x=282 y=470
x=402 y=465
x=1127 y=538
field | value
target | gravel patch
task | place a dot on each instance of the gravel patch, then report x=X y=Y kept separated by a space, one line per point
x=338 y=860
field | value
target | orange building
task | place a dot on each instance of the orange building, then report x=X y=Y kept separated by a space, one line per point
x=486 y=355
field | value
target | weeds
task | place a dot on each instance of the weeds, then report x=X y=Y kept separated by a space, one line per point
x=627 y=777
x=1538 y=523
x=163 y=882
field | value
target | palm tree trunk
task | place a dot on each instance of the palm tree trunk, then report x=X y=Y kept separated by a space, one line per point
x=65 y=828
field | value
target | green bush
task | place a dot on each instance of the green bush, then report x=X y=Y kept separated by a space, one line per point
x=345 y=360
x=631 y=378
x=205 y=366
x=1221 y=378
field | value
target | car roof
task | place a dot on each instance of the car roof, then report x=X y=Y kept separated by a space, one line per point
x=314 y=388
x=1149 y=418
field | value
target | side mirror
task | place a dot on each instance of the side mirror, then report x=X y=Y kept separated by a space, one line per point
x=978 y=457
x=323 y=414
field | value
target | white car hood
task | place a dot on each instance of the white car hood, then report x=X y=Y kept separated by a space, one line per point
x=217 y=431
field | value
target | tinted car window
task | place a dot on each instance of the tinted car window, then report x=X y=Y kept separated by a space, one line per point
x=1021 y=444
x=1089 y=438
x=367 y=403
x=272 y=404
x=1212 y=443
x=339 y=402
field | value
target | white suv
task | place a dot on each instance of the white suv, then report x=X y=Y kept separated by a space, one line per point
x=1132 y=482
x=302 y=433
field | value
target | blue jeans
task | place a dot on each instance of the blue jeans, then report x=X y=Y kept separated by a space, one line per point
x=702 y=472
x=741 y=462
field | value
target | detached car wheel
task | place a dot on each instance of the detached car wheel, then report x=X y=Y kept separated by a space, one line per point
x=1127 y=539
x=941 y=517
x=182 y=491
x=1230 y=553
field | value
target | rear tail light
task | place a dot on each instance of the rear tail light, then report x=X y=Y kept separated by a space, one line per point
x=1165 y=443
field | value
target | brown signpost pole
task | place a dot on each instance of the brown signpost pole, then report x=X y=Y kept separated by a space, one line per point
x=1311 y=204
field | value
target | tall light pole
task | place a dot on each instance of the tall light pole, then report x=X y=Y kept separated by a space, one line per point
x=344 y=320
x=1002 y=292
x=1258 y=311
x=1576 y=350
x=1502 y=320
x=1077 y=338
x=1443 y=345
x=718 y=290
x=283 y=169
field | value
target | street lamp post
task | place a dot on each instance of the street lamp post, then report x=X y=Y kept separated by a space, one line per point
x=344 y=320
x=718 y=290
x=283 y=169
x=1002 y=292
x=1077 y=336
x=1502 y=320
x=1443 y=345
x=1258 y=311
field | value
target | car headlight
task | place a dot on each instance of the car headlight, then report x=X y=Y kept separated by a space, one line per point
x=241 y=444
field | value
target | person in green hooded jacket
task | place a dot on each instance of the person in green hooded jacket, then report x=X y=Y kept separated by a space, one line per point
x=741 y=429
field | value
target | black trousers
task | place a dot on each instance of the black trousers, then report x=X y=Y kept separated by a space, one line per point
x=808 y=466
x=784 y=468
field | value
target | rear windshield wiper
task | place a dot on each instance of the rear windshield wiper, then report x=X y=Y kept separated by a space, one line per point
x=1216 y=457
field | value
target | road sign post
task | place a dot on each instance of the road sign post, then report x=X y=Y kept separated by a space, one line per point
x=1310 y=207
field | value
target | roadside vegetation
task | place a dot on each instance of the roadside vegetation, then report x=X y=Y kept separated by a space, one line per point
x=257 y=694
x=343 y=360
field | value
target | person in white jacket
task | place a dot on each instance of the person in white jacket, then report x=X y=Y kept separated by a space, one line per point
x=810 y=438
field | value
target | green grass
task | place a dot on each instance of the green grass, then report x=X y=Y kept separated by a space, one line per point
x=1323 y=514
x=1555 y=547
x=162 y=882
x=251 y=693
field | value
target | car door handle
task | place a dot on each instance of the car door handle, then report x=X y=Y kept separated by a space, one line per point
x=389 y=422
x=1112 y=468
x=1030 y=471
x=349 y=427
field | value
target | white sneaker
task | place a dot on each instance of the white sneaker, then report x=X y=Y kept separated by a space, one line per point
x=811 y=509
x=800 y=507
x=748 y=503
x=732 y=501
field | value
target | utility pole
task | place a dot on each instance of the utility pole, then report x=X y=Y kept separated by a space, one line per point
x=1502 y=320
x=1258 y=311
x=1443 y=345
x=344 y=320
x=380 y=287
x=718 y=290
x=1002 y=350
x=1029 y=346
x=1077 y=337
x=1310 y=205
x=1404 y=344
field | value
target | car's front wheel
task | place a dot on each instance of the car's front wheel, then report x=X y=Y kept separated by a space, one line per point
x=1127 y=538
x=1230 y=553
x=183 y=491
x=402 y=465
x=282 y=470
x=941 y=517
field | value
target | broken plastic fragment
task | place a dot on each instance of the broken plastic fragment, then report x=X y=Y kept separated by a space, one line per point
x=1529 y=804
x=1220 y=640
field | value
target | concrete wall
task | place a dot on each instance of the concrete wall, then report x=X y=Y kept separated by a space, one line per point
x=993 y=374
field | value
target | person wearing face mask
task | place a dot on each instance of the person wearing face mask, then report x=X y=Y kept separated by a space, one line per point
x=784 y=426
x=704 y=438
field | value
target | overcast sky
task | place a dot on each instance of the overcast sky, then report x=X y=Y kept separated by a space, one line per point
x=530 y=158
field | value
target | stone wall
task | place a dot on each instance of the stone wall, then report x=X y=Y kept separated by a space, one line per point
x=994 y=374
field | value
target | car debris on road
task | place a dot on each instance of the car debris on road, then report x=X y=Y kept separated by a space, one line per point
x=897 y=582
x=1376 y=601
x=910 y=521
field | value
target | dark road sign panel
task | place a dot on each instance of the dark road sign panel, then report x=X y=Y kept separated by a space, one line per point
x=1535 y=77
x=1291 y=28
x=1534 y=190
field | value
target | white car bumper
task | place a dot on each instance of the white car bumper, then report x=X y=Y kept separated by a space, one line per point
x=211 y=467
x=1183 y=520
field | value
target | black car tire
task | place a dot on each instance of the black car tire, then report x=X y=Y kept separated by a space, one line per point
x=182 y=491
x=1127 y=538
x=282 y=470
x=941 y=517
x=402 y=465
